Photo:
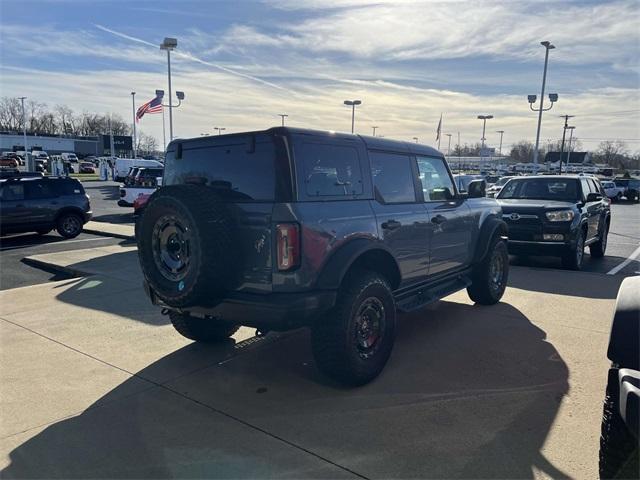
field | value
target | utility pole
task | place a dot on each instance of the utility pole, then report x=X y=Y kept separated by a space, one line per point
x=459 y=153
x=449 y=148
x=564 y=133
x=283 y=116
x=374 y=130
x=111 y=145
x=28 y=162
x=501 y=132
x=572 y=128
x=133 y=101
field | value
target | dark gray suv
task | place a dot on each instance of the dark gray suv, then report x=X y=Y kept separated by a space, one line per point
x=40 y=204
x=287 y=227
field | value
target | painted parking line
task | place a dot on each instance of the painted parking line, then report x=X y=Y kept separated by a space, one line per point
x=626 y=262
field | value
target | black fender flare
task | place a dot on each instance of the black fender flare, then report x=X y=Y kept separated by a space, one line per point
x=490 y=227
x=623 y=348
x=337 y=266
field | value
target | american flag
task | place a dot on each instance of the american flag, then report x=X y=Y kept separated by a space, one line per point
x=152 y=106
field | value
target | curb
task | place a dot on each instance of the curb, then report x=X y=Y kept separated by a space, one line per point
x=108 y=234
x=55 y=268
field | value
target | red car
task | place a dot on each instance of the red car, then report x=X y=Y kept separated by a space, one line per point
x=87 y=167
x=138 y=207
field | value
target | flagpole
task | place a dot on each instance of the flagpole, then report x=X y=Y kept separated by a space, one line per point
x=164 y=134
x=439 y=131
x=133 y=102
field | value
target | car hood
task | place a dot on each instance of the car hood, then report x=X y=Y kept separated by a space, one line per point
x=528 y=205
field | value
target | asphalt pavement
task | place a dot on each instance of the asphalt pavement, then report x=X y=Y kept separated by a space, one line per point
x=104 y=202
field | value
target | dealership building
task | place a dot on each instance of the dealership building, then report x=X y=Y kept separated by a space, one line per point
x=56 y=144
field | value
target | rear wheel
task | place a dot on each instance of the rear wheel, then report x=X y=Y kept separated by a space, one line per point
x=490 y=276
x=618 y=448
x=352 y=343
x=574 y=257
x=69 y=225
x=204 y=330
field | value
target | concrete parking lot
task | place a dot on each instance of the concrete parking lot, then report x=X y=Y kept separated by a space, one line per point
x=97 y=384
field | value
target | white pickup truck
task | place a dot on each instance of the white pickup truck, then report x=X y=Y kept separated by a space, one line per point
x=613 y=192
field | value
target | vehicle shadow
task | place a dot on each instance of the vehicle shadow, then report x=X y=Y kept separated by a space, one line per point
x=467 y=394
x=546 y=274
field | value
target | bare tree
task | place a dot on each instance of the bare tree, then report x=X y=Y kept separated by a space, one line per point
x=65 y=119
x=146 y=143
x=10 y=114
x=522 y=152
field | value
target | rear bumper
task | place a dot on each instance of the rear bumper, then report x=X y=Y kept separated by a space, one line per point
x=275 y=311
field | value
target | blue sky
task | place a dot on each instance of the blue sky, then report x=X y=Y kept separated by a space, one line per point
x=243 y=62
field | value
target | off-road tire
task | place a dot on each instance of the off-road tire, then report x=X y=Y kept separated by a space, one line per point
x=570 y=259
x=599 y=248
x=69 y=225
x=205 y=330
x=618 y=448
x=208 y=253
x=485 y=288
x=335 y=337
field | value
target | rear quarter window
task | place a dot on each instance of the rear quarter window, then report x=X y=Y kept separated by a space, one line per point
x=330 y=170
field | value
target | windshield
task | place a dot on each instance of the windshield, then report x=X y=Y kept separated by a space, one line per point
x=563 y=190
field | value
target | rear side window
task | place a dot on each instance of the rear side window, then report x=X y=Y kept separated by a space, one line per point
x=238 y=170
x=38 y=190
x=393 y=177
x=11 y=192
x=68 y=187
x=330 y=170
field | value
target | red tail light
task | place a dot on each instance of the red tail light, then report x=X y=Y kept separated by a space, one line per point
x=288 y=242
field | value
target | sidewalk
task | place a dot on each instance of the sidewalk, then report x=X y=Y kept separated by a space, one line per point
x=110 y=230
x=97 y=383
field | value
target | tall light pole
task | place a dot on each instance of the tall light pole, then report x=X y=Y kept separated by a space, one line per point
x=564 y=133
x=352 y=104
x=169 y=44
x=27 y=160
x=548 y=46
x=449 y=147
x=501 y=132
x=133 y=103
x=283 y=117
x=374 y=130
x=415 y=139
x=484 y=119
x=572 y=128
x=219 y=129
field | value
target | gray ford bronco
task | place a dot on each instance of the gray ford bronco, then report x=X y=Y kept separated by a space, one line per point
x=289 y=228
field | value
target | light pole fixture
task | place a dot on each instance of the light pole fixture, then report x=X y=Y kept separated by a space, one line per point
x=553 y=97
x=219 y=129
x=416 y=139
x=449 y=147
x=374 y=130
x=501 y=132
x=283 y=117
x=352 y=104
x=484 y=119
x=169 y=44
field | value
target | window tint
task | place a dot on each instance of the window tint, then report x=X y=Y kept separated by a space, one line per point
x=434 y=178
x=9 y=192
x=234 y=169
x=330 y=170
x=67 y=187
x=393 y=177
x=38 y=190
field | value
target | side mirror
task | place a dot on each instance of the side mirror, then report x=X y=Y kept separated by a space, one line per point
x=477 y=189
x=594 y=197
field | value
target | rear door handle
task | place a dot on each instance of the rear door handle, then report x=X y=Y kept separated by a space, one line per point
x=391 y=225
x=438 y=219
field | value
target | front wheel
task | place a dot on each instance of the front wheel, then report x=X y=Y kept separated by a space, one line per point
x=69 y=225
x=574 y=257
x=489 y=277
x=206 y=330
x=352 y=343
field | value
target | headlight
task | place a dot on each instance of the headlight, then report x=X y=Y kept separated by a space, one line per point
x=560 y=216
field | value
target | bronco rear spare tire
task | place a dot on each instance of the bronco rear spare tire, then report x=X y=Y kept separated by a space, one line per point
x=187 y=247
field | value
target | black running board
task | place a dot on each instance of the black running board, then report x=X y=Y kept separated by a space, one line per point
x=424 y=295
